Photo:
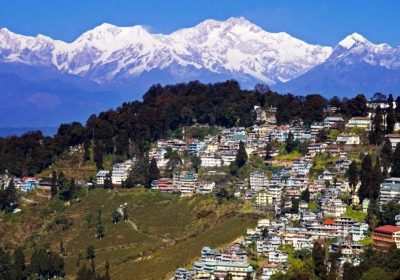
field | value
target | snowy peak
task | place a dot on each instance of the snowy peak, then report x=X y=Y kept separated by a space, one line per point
x=352 y=40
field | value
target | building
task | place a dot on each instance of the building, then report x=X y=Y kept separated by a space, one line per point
x=263 y=199
x=390 y=190
x=361 y=122
x=101 y=176
x=384 y=237
x=348 y=139
x=120 y=172
x=238 y=270
x=210 y=160
x=257 y=180
x=394 y=139
x=331 y=121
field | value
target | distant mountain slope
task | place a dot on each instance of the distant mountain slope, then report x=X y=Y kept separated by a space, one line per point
x=27 y=103
x=355 y=66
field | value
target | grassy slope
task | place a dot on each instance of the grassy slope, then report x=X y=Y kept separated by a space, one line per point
x=171 y=230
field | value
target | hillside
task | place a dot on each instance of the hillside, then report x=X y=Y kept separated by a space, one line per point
x=162 y=233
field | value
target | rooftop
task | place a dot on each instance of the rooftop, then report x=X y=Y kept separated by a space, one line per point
x=387 y=229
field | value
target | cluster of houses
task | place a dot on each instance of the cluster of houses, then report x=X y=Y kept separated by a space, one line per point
x=118 y=174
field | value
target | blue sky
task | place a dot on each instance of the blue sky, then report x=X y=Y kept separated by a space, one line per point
x=318 y=22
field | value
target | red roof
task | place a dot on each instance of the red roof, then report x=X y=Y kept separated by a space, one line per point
x=329 y=222
x=387 y=229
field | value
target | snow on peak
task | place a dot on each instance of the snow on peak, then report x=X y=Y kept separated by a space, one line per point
x=351 y=40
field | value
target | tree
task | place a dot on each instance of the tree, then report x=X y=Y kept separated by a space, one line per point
x=376 y=273
x=318 y=256
x=386 y=156
x=9 y=202
x=295 y=206
x=390 y=116
x=353 y=175
x=350 y=272
x=154 y=172
x=116 y=217
x=373 y=214
x=54 y=188
x=377 y=129
x=377 y=178
x=389 y=211
x=86 y=152
x=397 y=110
x=19 y=263
x=108 y=181
x=290 y=143
x=365 y=177
x=6 y=268
x=395 y=172
x=125 y=213
x=90 y=252
x=333 y=269
x=196 y=162
x=305 y=195
x=241 y=156
x=98 y=154
x=100 y=231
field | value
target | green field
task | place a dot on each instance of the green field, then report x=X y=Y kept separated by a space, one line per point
x=163 y=231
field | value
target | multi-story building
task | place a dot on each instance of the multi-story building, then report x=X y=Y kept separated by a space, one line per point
x=390 y=190
x=361 y=122
x=257 y=180
x=101 y=176
x=120 y=172
x=384 y=237
x=210 y=160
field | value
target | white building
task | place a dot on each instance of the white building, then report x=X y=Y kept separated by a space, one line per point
x=390 y=190
x=120 y=172
x=210 y=160
x=101 y=176
x=257 y=180
x=361 y=122
x=348 y=139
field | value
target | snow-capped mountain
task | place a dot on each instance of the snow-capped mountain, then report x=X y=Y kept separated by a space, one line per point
x=234 y=47
x=355 y=66
x=110 y=64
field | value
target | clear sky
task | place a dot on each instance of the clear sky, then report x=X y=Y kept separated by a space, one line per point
x=318 y=22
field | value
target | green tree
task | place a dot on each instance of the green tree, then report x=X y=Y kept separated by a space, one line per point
x=154 y=172
x=366 y=177
x=108 y=181
x=100 y=231
x=389 y=211
x=19 y=263
x=228 y=276
x=350 y=272
x=386 y=156
x=6 y=267
x=290 y=143
x=196 y=162
x=54 y=188
x=377 y=177
x=241 y=156
x=116 y=217
x=90 y=255
x=390 y=116
x=376 y=273
x=9 y=202
x=86 y=152
x=395 y=172
x=353 y=175
x=125 y=215
x=377 y=130
x=373 y=214
x=98 y=154
x=305 y=195
x=318 y=256
x=333 y=269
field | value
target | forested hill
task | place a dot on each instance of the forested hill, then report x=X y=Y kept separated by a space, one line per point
x=133 y=126
x=129 y=129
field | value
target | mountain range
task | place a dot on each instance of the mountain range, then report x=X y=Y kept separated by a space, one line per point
x=44 y=81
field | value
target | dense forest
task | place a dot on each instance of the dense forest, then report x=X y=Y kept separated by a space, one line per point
x=129 y=129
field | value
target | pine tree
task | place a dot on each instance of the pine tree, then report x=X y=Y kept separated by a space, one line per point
x=318 y=256
x=390 y=116
x=377 y=179
x=98 y=154
x=116 y=217
x=395 y=172
x=86 y=152
x=54 y=189
x=386 y=156
x=373 y=214
x=353 y=175
x=19 y=263
x=241 y=157
x=6 y=268
x=290 y=143
x=365 y=177
x=154 y=172
x=333 y=269
x=100 y=231
x=11 y=197
x=377 y=131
